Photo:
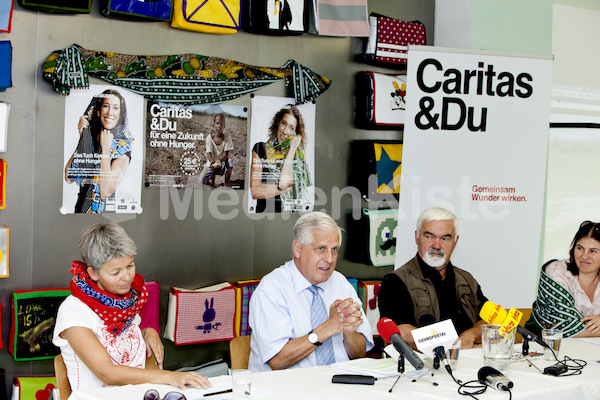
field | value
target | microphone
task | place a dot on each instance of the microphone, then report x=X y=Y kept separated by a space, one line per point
x=439 y=351
x=494 y=379
x=426 y=319
x=527 y=335
x=390 y=333
x=492 y=313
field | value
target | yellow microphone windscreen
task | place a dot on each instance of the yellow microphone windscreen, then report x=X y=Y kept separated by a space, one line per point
x=492 y=313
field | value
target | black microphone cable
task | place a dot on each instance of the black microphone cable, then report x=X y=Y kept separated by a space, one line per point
x=475 y=384
x=478 y=387
x=574 y=366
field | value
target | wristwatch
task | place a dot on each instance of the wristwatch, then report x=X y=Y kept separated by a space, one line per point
x=314 y=339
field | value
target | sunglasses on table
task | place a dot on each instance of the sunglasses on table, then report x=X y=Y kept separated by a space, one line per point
x=153 y=394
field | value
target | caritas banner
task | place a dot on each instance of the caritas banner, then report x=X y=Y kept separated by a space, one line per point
x=475 y=143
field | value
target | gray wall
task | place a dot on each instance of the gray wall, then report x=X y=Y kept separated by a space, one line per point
x=189 y=253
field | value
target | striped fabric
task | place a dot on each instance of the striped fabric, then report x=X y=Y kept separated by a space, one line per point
x=343 y=18
x=243 y=293
x=70 y=68
x=247 y=291
x=555 y=307
x=318 y=313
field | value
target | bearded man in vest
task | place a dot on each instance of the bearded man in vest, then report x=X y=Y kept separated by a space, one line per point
x=428 y=288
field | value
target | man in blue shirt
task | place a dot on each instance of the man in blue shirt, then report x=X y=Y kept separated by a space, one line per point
x=284 y=334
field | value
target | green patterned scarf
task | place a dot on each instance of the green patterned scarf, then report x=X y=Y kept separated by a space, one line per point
x=277 y=152
x=554 y=307
x=184 y=78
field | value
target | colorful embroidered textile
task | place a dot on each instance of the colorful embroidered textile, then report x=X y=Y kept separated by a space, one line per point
x=117 y=312
x=243 y=293
x=555 y=307
x=85 y=166
x=185 y=78
x=276 y=153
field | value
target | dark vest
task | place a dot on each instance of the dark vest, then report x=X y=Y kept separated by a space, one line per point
x=424 y=296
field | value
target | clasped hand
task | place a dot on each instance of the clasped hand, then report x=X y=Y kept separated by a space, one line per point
x=345 y=315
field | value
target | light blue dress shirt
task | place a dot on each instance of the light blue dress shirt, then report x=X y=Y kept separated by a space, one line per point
x=280 y=311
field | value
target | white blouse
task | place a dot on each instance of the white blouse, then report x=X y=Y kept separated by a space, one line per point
x=558 y=271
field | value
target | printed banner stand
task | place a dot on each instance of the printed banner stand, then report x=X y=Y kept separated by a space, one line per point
x=484 y=119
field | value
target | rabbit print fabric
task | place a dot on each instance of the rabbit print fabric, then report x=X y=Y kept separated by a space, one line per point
x=205 y=315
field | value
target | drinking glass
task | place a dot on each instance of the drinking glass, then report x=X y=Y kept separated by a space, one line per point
x=552 y=337
x=452 y=353
x=241 y=382
x=498 y=342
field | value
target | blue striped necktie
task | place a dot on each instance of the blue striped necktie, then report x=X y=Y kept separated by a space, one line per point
x=318 y=315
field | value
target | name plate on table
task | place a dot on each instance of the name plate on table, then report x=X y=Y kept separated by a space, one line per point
x=431 y=336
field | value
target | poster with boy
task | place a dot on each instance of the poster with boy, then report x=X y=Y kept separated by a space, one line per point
x=282 y=137
x=195 y=146
x=103 y=151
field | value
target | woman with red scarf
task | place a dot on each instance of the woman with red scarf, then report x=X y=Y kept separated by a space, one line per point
x=98 y=325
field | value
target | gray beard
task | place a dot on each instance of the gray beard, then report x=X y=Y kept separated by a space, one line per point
x=434 y=260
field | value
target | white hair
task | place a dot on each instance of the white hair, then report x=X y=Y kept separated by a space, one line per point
x=307 y=223
x=437 y=214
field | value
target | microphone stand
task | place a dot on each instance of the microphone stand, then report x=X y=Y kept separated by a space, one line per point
x=525 y=347
x=400 y=370
x=436 y=362
x=525 y=352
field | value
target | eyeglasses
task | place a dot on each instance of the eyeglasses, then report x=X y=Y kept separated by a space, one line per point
x=153 y=394
x=586 y=223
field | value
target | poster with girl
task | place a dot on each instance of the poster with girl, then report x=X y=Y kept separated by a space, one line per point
x=103 y=151
x=282 y=137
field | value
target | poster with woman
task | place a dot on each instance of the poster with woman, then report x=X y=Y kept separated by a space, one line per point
x=282 y=137
x=103 y=151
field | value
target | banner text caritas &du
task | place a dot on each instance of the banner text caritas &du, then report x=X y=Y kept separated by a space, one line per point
x=480 y=81
x=161 y=122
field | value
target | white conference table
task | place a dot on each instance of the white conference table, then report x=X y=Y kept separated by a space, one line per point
x=315 y=383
